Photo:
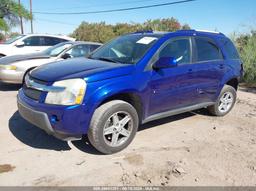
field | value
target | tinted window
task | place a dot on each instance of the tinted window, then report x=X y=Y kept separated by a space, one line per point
x=94 y=47
x=207 y=50
x=178 y=49
x=32 y=41
x=230 y=50
x=79 y=50
x=51 y=41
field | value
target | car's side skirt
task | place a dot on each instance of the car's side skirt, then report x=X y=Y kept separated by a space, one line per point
x=176 y=111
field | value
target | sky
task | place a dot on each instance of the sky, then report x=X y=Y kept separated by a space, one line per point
x=225 y=16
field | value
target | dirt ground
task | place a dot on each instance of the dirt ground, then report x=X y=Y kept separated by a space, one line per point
x=191 y=149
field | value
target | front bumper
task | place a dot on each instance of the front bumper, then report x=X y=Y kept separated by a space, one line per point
x=41 y=119
x=11 y=76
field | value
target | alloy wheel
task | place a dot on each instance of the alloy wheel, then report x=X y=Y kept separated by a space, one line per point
x=118 y=129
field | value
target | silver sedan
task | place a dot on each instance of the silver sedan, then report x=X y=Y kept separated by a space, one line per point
x=14 y=68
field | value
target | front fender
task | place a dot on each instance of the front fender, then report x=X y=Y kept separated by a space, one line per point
x=100 y=91
x=97 y=92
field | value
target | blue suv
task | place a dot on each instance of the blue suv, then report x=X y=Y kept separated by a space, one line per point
x=134 y=79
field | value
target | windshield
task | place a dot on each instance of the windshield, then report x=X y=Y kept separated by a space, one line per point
x=125 y=49
x=11 y=40
x=57 y=49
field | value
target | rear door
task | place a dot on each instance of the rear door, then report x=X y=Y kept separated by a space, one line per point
x=209 y=68
x=47 y=41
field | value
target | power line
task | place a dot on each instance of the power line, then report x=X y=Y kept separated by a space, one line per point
x=101 y=5
x=115 y=10
x=53 y=21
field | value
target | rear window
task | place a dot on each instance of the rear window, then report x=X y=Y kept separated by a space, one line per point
x=207 y=50
x=51 y=41
x=230 y=50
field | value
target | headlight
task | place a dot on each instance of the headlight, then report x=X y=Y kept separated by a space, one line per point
x=8 y=67
x=72 y=94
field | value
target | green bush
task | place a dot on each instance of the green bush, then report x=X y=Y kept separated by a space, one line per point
x=247 y=48
x=2 y=37
x=102 y=32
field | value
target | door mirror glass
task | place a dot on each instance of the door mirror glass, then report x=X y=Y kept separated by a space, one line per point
x=165 y=62
x=20 y=44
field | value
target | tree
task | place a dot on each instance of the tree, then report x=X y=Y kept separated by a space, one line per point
x=2 y=37
x=171 y=24
x=186 y=27
x=248 y=56
x=98 y=32
x=10 y=13
x=103 y=32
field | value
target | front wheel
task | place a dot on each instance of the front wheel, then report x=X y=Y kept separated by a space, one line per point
x=113 y=126
x=225 y=102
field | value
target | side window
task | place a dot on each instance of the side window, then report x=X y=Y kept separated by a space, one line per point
x=79 y=50
x=207 y=50
x=51 y=41
x=178 y=49
x=32 y=41
x=230 y=50
x=94 y=47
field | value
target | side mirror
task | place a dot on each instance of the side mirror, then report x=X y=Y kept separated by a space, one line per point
x=66 y=56
x=20 y=44
x=165 y=62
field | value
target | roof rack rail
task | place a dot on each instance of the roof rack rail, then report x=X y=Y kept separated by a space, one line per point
x=142 y=31
x=185 y=30
x=197 y=30
x=209 y=31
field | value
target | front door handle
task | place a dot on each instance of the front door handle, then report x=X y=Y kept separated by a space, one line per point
x=200 y=91
x=190 y=71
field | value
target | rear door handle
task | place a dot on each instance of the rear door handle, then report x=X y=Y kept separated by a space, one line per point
x=221 y=66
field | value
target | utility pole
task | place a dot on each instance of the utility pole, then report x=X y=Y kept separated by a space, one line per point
x=21 y=21
x=31 y=21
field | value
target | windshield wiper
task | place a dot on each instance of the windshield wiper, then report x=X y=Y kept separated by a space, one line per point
x=107 y=59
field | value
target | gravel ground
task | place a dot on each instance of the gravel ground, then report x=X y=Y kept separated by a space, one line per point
x=191 y=149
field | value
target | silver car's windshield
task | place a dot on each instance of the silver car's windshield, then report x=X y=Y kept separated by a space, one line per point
x=11 y=40
x=57 y=49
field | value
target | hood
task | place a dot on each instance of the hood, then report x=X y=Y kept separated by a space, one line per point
x=91 y=70
x=17 y=58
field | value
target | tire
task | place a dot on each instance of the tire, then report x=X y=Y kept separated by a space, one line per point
x=228 y=94
x=109 y=116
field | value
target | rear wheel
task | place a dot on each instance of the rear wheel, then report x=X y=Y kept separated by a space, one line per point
x=225 y=102
x=113 y=126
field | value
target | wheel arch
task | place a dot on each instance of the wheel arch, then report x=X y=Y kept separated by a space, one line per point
x=233 y=82
x=130 y=97
x=26 y=72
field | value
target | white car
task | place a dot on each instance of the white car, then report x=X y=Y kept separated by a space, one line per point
x=31 y=43
x=14 y=68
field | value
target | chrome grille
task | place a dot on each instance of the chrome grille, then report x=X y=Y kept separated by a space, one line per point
x=33 y=93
